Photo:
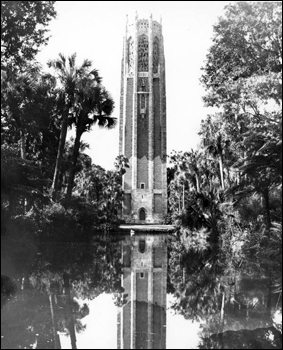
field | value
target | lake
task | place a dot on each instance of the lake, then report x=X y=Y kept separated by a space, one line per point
x=135 y=291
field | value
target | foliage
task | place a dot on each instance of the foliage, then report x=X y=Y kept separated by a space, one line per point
x=243 y=76
x=82 y=102
x=225 y=197
x=246 y=43
x=32 y=110
x=23 y=29
x=20 y=179
x=30 y=314
x=93 y=104
x=261 y=338
x=103 y=190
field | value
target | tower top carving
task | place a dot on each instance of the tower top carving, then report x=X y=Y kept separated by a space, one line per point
x=142 y=25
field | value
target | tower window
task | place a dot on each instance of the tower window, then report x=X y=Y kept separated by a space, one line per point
x=141 y=275
x=142 y=186
x=143 y=54
x=142 y=246
x=142 y=214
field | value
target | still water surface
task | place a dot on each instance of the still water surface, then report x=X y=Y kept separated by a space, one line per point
x=131 y=292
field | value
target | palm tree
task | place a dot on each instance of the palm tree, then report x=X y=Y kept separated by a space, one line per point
x=208 y=172
x=93 y=104
x=215 y=143
x=83 y=161
x=215 y=148
x=69 y=76
x=194 y=169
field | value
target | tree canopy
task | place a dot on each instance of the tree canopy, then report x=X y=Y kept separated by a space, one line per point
x=23 y=29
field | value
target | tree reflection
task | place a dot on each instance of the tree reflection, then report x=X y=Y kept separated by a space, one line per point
x=224 y=296
x=261 y=338
x=26 y=322
x=62 y=274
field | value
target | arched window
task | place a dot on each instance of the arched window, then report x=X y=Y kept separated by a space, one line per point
x=142 y=245
x=142 y=214
x=143 y=54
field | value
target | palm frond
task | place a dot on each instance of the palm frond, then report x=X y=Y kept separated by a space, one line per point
x=107 y=122
x=72 y=60
x=87 y=63
x=62 y=58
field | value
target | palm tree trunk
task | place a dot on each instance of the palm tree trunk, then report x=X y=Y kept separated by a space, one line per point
x=238 y=177
x=183 y=196
x=23 y=143
x=74 y=163
x=69 y=311
x=208 y=181
x=184 y=275
x=60 y=152
x=197 y=183
x=222 y=313
x=269 y=299
x=23 y=156
x=221 y=171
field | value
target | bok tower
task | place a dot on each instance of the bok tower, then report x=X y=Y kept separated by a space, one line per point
x=142 y=127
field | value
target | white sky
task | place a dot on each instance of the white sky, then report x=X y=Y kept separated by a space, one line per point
x=95 y=30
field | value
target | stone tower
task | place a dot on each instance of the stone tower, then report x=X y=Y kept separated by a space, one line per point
x=142 y=126
x=142 y=320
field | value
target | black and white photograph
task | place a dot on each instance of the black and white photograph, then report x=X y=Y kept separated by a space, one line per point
x=141 y=175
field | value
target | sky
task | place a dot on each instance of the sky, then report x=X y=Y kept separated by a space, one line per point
x=95 y=30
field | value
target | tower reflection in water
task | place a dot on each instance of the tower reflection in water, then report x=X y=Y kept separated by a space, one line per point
x=142 y=320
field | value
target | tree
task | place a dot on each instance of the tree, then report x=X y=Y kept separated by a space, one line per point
x=84 y=162
x=23 y=30
x=259 y=338
x=216 y=143
x=28 y=132
x=21 y=183
x=247 y=42
x=93 y=104
x=17 y=92
x=243 y=76
x=103 y=191
x=69 y=76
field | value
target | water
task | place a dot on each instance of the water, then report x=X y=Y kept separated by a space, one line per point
x=137 y=291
